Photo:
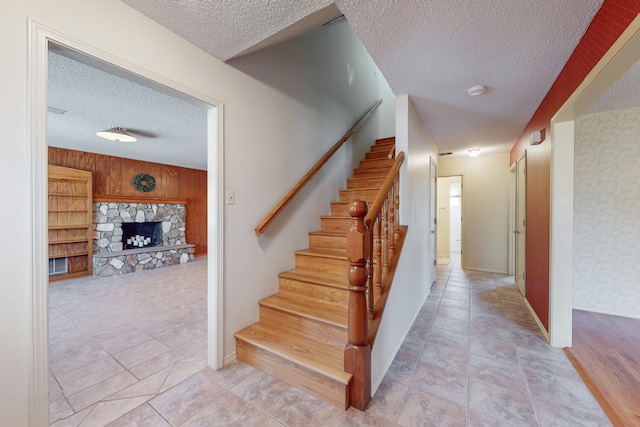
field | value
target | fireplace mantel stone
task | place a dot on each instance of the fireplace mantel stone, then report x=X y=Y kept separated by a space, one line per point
x=109 y=257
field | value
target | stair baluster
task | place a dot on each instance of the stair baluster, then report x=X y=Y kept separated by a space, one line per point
x=378 y=261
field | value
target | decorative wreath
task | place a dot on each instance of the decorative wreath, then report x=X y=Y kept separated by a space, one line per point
x=144 y=182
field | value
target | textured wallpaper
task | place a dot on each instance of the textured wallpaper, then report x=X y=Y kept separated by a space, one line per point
x=606 y=266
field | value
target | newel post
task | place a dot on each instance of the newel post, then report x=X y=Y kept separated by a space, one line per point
x=357 y=354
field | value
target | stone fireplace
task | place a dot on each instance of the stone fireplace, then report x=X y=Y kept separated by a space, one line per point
x=130 y=237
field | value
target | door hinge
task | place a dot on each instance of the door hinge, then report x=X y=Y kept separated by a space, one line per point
x=524 y=222
x=434 y=262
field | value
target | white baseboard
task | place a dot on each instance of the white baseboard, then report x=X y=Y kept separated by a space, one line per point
x=632 y=315
x=230 y=358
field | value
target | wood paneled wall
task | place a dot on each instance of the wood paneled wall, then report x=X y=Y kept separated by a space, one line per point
x=112 y=177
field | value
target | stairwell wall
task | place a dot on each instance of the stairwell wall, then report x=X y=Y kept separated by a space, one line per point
x=264 y=155
x=326 y=81
x=412 y=281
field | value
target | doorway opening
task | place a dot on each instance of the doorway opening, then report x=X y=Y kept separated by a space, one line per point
x=40 y=40
x=449 y=222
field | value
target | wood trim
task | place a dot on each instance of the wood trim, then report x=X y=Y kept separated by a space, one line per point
x=133 y=199
x=305 y=179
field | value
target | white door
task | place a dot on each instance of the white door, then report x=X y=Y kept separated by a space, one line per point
x=455 y=214
x=521 y=222
x=442 y=225
x=433 y=209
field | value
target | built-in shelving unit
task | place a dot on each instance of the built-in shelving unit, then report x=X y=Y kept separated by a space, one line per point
x=70 y=219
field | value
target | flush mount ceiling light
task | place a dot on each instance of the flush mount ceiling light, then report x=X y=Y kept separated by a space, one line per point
x=476 y=90
x=474 y=152
x=116 y=134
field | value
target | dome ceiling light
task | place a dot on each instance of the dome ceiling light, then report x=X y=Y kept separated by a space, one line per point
x=477 y=90
x=474 y=152
x=116 y=134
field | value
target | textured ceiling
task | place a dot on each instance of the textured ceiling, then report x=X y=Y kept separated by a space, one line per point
x=625 y=93
x=95 y=100
x=432 y=50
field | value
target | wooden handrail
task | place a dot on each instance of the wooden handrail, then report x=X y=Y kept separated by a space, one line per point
x=384 y=190
x=305 y=179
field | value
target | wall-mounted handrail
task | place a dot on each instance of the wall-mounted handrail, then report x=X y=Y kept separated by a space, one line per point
x=372 y=234
x=305 y=179
x=392 y=152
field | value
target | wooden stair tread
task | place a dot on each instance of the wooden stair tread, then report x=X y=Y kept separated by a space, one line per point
x=323 y=253
x=329 y=233
x=332 y=313
x=324 y=278
x=311 y=354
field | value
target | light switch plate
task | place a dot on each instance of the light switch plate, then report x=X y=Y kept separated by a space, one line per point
x=230 y=197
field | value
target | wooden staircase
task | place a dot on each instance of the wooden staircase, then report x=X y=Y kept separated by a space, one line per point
x=302 y=333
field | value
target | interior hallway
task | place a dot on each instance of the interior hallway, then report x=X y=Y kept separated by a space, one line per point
x=131 y=350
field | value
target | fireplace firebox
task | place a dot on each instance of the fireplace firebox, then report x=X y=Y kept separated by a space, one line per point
x=141 y=234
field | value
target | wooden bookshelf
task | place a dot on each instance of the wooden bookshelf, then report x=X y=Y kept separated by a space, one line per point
x=70 y=218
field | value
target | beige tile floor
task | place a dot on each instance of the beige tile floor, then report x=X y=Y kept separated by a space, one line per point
x=131 y=351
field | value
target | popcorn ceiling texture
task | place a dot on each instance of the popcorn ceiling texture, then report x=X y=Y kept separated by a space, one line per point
x=433 y=50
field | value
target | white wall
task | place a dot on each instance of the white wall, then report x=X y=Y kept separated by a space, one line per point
x=412 y=281
x=485 y=209
x=264 y=154
x=606 y=235
x=387 y=117
x=323 y=83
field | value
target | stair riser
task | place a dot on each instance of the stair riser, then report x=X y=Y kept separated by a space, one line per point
x=375 y=182
x=317 y=241
x=376 y=163
x=326 y=293
x=308 y=328
x=377 y=154
x=374 y=172
x=367 y=195
x=321 y=264
x=340 y=209
x=387 y=140
x=300 y=377
x=386 y=146
x=335 y=224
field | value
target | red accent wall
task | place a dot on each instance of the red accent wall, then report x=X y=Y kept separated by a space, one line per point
x=611 y=20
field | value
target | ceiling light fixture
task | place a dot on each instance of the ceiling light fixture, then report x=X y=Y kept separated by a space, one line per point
x=116 y=134
x=476 y=90
x=474 y=152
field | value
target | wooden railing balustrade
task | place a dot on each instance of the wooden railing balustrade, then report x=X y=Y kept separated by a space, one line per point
x=370 y=242
x=305 y=179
